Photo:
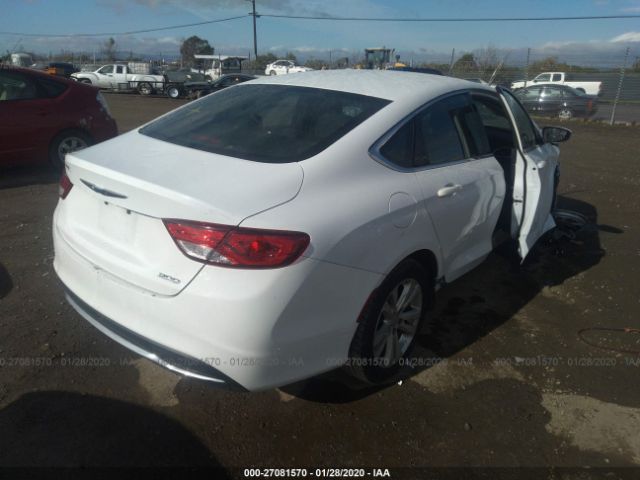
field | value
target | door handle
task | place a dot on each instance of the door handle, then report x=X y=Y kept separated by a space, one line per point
x=449 y=190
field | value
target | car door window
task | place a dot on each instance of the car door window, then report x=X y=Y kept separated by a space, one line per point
x=120 y=69
x=529 y=94
x=14 y=86
x=543 y=78
x=447 y=131
x=525 y=126
x=474 y=131
x=437 y=138
x=106 y=69
x=556 y=77
x=550 y=94
x=491 y=113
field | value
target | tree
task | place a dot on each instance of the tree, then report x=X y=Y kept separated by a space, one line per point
x=194 y=45
x=292 y=57
x=109 y=50
x=466 y=63
x=486 y=58
x=548 y=64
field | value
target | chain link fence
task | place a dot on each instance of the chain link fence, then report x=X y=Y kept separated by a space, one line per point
x=618 y=69
x=618 y=72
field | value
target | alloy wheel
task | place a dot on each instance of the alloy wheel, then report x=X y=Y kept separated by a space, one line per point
x=565 y=114
x=70 y=144
x=398 y=321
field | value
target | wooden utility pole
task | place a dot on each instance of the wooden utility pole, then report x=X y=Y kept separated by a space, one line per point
x=255 y=36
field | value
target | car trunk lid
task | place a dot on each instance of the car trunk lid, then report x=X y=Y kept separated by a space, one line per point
x=125 y=187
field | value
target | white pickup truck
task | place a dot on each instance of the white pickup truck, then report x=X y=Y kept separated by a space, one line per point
x=559 y=78
x=133 y=76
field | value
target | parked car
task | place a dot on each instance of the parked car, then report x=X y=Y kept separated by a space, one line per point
x=560 y=78
x=290 y=225
x=61 y=69
x=43 y=117
x=557 y=100
x=282 y=67
x=230 y=80
x=200 y=89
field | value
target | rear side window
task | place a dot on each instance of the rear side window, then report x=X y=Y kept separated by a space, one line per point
x=399 y=148
x=51 y=88
x=16 y=86
x=266 y=123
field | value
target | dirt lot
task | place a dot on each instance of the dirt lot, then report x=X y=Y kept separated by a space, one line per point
x=516 y=384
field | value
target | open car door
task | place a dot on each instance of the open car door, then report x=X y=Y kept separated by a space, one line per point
x=534 y=177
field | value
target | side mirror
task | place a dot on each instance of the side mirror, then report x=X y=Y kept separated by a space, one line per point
x=555 y=134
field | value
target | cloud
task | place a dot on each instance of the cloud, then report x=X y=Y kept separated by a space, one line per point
x=627 y=37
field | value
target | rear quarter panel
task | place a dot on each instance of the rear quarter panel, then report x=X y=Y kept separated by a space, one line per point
x=345 y=206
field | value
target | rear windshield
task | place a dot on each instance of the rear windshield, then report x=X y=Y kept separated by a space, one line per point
x=266 y=123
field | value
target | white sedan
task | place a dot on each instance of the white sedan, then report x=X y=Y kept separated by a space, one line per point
x=282 y=67
x=290 y=225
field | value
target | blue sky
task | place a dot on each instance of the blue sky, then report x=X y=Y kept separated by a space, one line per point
x=316 y=38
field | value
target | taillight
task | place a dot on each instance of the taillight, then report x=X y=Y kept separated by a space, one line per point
x=65 y=186
x=237 y=247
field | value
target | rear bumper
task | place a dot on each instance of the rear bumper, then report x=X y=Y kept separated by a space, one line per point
x=247 y=329
x=163 y=356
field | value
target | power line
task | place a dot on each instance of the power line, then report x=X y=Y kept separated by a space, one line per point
x=343 y=19
x=485 y=19
x=132 y=32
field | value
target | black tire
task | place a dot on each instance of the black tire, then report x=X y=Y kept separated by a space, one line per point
x=173 y=91
x=372 y=367
x=581 y=90
x=73 y=139
x=145 y=88
x=85 y=80
x=272 y=72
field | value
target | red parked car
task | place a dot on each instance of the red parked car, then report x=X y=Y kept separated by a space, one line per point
x=42 y=117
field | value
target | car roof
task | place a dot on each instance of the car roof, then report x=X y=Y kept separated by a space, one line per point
x=46 y=76
x=387 y=84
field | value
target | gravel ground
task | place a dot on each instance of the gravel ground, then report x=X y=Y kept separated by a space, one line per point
x=516 y=385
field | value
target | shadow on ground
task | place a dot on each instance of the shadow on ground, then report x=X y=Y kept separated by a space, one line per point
x=6 y=284
x=478 y=303
x=14 y=177
x=62 y=429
